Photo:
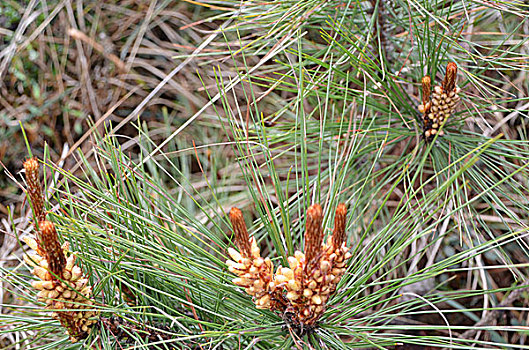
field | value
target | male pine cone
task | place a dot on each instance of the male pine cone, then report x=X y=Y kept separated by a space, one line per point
x=305 y=286
x=439 y=106
x=61 y=284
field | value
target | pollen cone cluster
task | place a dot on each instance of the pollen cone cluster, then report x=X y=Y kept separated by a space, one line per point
x=439 y=106
x=304 y=287
x=255 y=274
x=61 y=285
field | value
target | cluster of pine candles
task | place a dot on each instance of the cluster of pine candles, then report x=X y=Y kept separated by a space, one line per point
x=302 y=289
x=61 y=283
x=299 y=292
